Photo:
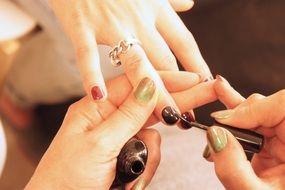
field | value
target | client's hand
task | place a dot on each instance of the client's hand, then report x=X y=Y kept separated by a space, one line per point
x=263 y=114
x=154 y=23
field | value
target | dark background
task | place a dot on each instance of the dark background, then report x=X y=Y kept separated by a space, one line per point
x=242 y=40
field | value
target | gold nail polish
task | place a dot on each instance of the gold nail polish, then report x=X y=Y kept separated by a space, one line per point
x=139 y=185
x=217 y=138
x=206 y=153
x=145 y=90
x=224 y=114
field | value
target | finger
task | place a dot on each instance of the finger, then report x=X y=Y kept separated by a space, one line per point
x=137 y=66
x=196 y=96
x=99 y=111
x=157 y=50
x=277 y=149
x=87 y=55
x=181 y=5
x=152 y=140
x=256 y=113
x=129 y=118
x=227 y=94
x=231 y=165
x=174 y=81
x=181 y=41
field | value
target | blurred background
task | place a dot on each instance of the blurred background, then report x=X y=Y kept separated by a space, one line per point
x=242 y=40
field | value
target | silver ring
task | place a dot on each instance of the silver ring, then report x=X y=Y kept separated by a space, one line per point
x=123 y=47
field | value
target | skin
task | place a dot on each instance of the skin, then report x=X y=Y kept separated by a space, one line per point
x=154 y=23
x=83 y=153
x=265 y=115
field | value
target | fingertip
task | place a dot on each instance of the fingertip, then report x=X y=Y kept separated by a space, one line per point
x=182 y=5
x=226 y=93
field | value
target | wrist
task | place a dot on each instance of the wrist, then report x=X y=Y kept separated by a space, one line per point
x=43 y=183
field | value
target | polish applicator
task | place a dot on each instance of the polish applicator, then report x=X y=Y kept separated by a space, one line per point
x=251 y=141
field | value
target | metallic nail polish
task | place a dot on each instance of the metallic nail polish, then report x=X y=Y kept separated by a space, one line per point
x=97 y=93
x=189 y=117
x=206 y=153
x=131 y=162
x=169 y=116
x=224 y=114
x=145 y=90
x=217 y=138
x=140 y=185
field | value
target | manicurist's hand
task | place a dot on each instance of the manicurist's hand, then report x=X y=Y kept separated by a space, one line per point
x=154 y=23
x=263 y=114
x=83 y=153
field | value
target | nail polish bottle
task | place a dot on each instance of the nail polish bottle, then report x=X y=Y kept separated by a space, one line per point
x=131 y=162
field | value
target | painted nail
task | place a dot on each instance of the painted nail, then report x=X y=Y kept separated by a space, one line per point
x=223 y=114
x=217 y=138
x=97 y=93
x=139 y=185
x=145 y=90
x=220 y=78
x=169 y=115
x=206 y=153
x=189 y=117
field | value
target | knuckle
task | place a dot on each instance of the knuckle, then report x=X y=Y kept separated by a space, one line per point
x=281 y=97
x=83 y=50
x=134 y=57
x=255 y=96
x=280 y=101
x=72 y=108
x=168 y=62
x=221 y=174
x=128 y=114
x=134 y=61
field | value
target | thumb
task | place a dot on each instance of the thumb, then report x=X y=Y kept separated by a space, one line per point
x=256 y=111
x=231 y=165
x=130 y=117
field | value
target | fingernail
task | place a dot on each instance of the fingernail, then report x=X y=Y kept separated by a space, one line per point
x=224 y=114
x=209 y=78
x=145 y=90
x=97 y=93
x=139 y=185
x=169 y=115
x=189 y=117
x=220 y=78
x=206 y=153
x=217 y=138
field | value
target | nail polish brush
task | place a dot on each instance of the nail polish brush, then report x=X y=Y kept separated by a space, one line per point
x=250 y=140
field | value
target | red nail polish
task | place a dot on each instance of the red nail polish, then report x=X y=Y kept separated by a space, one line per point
x=189 y=117
x=97 y=93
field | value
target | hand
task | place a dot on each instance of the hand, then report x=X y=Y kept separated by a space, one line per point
x=263 y=114
x=93 y=133
x=83 y=153
x=154 y=23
